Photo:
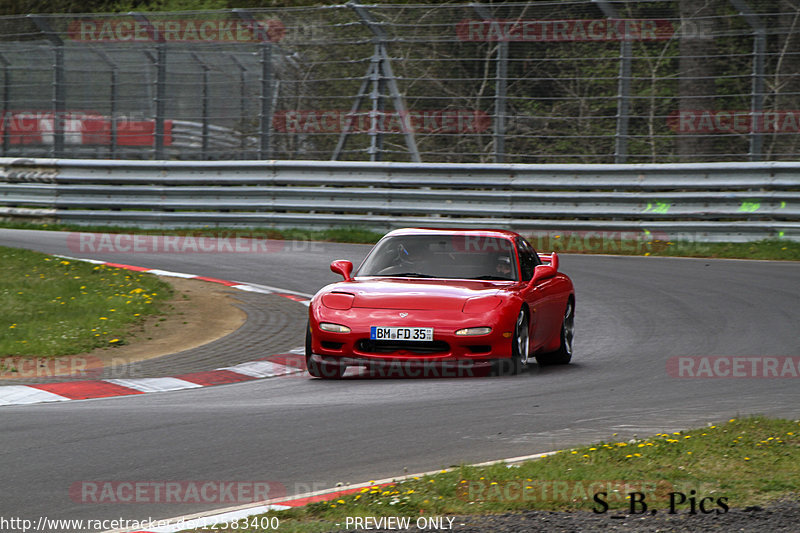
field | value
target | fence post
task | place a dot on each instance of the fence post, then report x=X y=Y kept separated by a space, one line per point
x=204 y=106
x=757 y=91
x=112 y=150
x=6 y=95
x=387 y=76
x=161 y=81
x=58 y=83
x=242 y=103
x=500 y=91
x=623 y=89
x=265 y=114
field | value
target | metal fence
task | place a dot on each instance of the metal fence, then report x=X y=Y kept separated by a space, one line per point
x=695 y=202
x=604 y=81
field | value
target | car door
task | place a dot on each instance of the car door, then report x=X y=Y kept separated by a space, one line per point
x=542 y=298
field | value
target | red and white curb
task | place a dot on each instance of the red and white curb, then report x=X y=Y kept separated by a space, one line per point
x=232 y=514
x=239 y=285
x=267 y=367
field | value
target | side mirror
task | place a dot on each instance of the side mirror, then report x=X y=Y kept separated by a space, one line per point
x=542 y=272
x=554 y=261
x=342 y=267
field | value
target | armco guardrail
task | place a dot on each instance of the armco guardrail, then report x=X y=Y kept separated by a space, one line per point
x=706 y=202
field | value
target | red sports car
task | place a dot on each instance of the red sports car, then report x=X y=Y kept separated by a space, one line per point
x=425 y=297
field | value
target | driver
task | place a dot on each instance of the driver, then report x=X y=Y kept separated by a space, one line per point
x=410 y=253
x=503 y=267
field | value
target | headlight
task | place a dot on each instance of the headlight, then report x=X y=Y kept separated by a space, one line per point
x=474 y=331
x=333 y=328
x=481 y=304
x=338 y=300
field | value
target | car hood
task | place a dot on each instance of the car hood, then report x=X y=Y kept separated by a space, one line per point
x=422 y=294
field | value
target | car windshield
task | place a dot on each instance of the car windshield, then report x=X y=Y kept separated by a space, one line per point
x=442 y=256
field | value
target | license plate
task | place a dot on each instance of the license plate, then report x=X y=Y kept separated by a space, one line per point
x=378 y=333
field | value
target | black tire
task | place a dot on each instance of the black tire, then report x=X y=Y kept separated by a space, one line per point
x=320 y=370
x=563 y=355
x=520 y=349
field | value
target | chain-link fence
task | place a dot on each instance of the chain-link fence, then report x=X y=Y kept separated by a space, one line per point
x=538 y=82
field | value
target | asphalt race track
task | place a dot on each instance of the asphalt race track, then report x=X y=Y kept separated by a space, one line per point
x=633 y=315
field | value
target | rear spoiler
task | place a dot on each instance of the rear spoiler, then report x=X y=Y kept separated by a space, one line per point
x=550 y=259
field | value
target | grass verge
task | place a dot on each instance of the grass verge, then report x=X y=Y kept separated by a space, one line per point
x=616 y=243
x=51 y=307
x=740 y=463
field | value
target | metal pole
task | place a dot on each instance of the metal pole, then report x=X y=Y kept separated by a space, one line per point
x=391 y=81
x=58 y=83
x=348 y=124
x=377 y=117
x=6 y=95
x=112 y=150
x=113 y=110
x=204 y=106
x=58 y=102
x=161 y=81
x=265 y=114
x=757 y=88
x=161 y=98
x=500 y=91
x=623 y=90
x=242 y=103
x=500 y=103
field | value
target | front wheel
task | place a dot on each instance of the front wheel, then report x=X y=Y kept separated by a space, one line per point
x=563 y=355
x=520 y=350
x=320 y=370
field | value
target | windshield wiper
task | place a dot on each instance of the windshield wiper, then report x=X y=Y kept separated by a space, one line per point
x=492 y=278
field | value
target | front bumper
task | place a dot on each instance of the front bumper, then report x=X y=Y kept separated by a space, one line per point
x=356 y=348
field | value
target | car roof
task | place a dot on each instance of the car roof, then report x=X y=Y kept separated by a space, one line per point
x=503 y=234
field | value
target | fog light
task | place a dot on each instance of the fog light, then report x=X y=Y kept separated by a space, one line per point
x=474 y=331
x=333 y=328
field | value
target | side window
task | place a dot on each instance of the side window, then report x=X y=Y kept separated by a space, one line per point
x=527 y=259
